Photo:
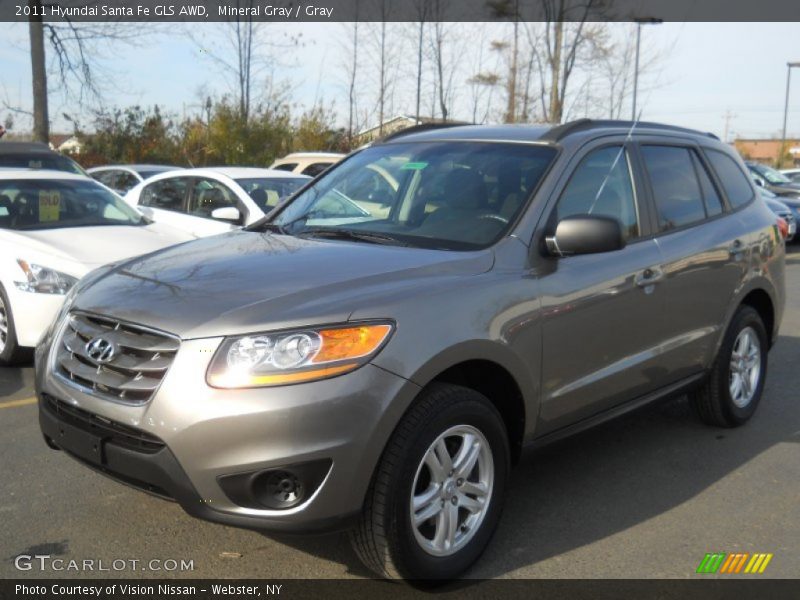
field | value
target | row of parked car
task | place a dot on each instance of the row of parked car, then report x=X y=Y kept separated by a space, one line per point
x=374 y=354
x=57 y=223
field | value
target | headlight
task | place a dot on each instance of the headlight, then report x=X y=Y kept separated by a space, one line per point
x=297 y=356
x=42 y=280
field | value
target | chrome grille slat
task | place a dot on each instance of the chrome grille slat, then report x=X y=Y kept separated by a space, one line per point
x=77 y=345
x=107 y=377
x=143 y=342
x=139 y=363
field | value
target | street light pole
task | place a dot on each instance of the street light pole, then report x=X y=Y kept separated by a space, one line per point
x=639 y=23
x=789 y=66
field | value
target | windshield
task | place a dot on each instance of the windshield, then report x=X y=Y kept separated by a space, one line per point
x=27 y=204
x=41 y=160
x=771 y=175
x=268 y=191
x=449 y=195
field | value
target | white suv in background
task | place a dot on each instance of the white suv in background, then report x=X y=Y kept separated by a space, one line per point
x=54 y=228
x=307 y=163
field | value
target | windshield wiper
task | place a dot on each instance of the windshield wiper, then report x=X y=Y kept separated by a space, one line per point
x=350 y=235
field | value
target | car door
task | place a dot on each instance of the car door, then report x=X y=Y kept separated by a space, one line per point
x=164 y=201
x=602 y=314
x=703 y=249
x=206 y=196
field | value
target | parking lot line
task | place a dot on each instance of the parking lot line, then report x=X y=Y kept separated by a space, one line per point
x=21 y=402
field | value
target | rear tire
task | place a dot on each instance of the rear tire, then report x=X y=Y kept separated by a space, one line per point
x=731 y=394
x=430 y=515
x=10 y=352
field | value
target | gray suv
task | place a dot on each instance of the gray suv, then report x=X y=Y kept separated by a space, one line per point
x=376 y=352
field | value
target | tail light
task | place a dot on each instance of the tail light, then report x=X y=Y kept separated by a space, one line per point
x=783 y=227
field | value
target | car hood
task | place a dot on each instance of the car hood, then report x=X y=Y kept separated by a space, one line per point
x=243 y=281
x=86 y=248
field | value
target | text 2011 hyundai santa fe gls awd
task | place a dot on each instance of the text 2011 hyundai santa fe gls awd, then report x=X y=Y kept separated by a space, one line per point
x=375 y=353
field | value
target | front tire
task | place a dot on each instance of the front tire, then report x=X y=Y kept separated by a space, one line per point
x=733 y=390
x=437 y=493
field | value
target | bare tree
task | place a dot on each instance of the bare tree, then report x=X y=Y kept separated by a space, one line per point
x=245 y=53
x=386 y=62
x=76 y=56
x=352 y=98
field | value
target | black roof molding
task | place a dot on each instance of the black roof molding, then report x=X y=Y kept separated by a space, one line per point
x=8 y=147
x=559 y=132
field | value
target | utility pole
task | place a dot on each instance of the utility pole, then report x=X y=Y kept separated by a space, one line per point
x=639 y=22
x=728 y=116
x=789 y=67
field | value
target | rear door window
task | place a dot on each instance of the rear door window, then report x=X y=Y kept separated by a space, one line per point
x=676 y=188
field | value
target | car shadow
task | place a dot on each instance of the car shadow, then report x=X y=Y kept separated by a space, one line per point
x=603 y=481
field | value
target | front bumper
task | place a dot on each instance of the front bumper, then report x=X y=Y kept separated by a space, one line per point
x=209 y=434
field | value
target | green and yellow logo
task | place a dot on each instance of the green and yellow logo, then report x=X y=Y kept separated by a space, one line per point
x=737 y=562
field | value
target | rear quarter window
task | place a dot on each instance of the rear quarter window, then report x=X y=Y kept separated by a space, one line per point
x=734 y=181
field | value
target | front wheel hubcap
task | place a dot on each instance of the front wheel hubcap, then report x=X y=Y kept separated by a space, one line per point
x=745 y=367
x=452 y=490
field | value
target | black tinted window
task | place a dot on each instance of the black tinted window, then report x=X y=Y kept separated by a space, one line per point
x=41 y=160
x=315 y=169
x=677 y=193
x=710 y=195
x=166 y=194
x=736 y=183
x=286 y=167
x=106 y=177
x=125 y=181
x=601 y=185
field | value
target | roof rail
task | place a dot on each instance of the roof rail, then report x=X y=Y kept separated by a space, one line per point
x=561 y=131
x=420 y=128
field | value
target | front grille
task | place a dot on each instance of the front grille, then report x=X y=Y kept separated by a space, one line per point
x=139 y=363
x=106 y=429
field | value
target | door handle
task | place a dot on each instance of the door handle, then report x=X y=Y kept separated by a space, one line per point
x=649 y=276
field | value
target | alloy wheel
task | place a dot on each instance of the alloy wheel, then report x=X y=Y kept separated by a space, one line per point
x=452 y=490
x=745 y=367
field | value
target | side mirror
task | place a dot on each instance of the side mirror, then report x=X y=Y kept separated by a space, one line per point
x=230 y=214
x=585 y=234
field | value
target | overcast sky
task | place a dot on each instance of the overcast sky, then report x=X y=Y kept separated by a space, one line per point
x=705 y=70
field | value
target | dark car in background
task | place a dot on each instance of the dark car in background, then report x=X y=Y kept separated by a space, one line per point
x=121 y=178
x=34 y=155
x=380 y=369
x=773 y=180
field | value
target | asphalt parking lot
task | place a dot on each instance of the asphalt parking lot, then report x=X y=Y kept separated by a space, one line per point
x=646 y=496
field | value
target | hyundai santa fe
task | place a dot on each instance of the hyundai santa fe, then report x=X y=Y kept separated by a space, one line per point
x=374 y=354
